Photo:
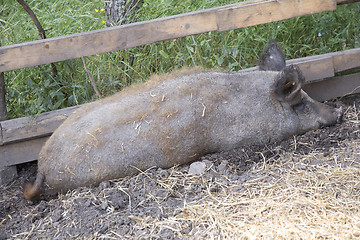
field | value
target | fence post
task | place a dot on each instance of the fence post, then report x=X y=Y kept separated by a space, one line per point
x=3 y=111
x=7 y=173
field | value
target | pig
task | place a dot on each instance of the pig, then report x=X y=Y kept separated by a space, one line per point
x=176 y=118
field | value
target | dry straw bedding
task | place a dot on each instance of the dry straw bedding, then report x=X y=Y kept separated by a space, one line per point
x=307 y=187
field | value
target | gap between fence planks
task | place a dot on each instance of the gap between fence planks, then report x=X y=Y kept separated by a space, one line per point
x=223 y=18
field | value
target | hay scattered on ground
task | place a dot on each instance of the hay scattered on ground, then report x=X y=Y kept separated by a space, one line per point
x=308 y=197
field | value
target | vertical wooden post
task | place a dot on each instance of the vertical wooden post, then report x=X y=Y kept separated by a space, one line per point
x=3 y=111
x=7 y=173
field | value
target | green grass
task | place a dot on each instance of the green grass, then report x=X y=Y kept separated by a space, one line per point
x=34 y=90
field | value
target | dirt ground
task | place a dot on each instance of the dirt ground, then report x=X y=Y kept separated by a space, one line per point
x=307 y=187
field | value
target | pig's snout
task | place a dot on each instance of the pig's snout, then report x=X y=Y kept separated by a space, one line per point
x=340 y=114
x=331 y=113
x=337 y=110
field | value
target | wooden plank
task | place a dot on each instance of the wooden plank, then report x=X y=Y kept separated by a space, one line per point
x=315 y=68
x=342 y=60
x=21 y=129
x=334 y=87
x=136 y=34
x=104 y=40
x=347 y=60
x=325 y=65
x=21 y=152
x=269 y=11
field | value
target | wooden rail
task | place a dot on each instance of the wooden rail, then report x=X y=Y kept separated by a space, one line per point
x=223 y=18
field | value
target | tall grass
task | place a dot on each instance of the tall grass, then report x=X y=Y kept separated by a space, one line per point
x=34 y=90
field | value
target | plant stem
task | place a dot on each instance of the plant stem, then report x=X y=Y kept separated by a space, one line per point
x=39 y=27
x=91 y=79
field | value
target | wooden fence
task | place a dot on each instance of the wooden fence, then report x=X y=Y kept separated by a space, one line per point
x=21 y=139
x=228 y=17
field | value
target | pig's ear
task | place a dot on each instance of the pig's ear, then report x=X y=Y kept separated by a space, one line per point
x=288 y=86
x=272 y=58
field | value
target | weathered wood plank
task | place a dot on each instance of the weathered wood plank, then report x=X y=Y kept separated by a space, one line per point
x=21 y=152
x=315 y=68
x=269 y=11
x=325 y=65
x=342 y=60
x=136 y=34
x=312 y=68
x=104 y=40
x=21 y=129
x=347 y=60
x=334 y=87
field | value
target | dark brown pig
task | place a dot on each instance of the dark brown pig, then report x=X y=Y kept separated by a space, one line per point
x=175 y=119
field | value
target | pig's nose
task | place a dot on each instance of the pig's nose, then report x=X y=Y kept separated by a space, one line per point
x=340 y=114
x=338 y=110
